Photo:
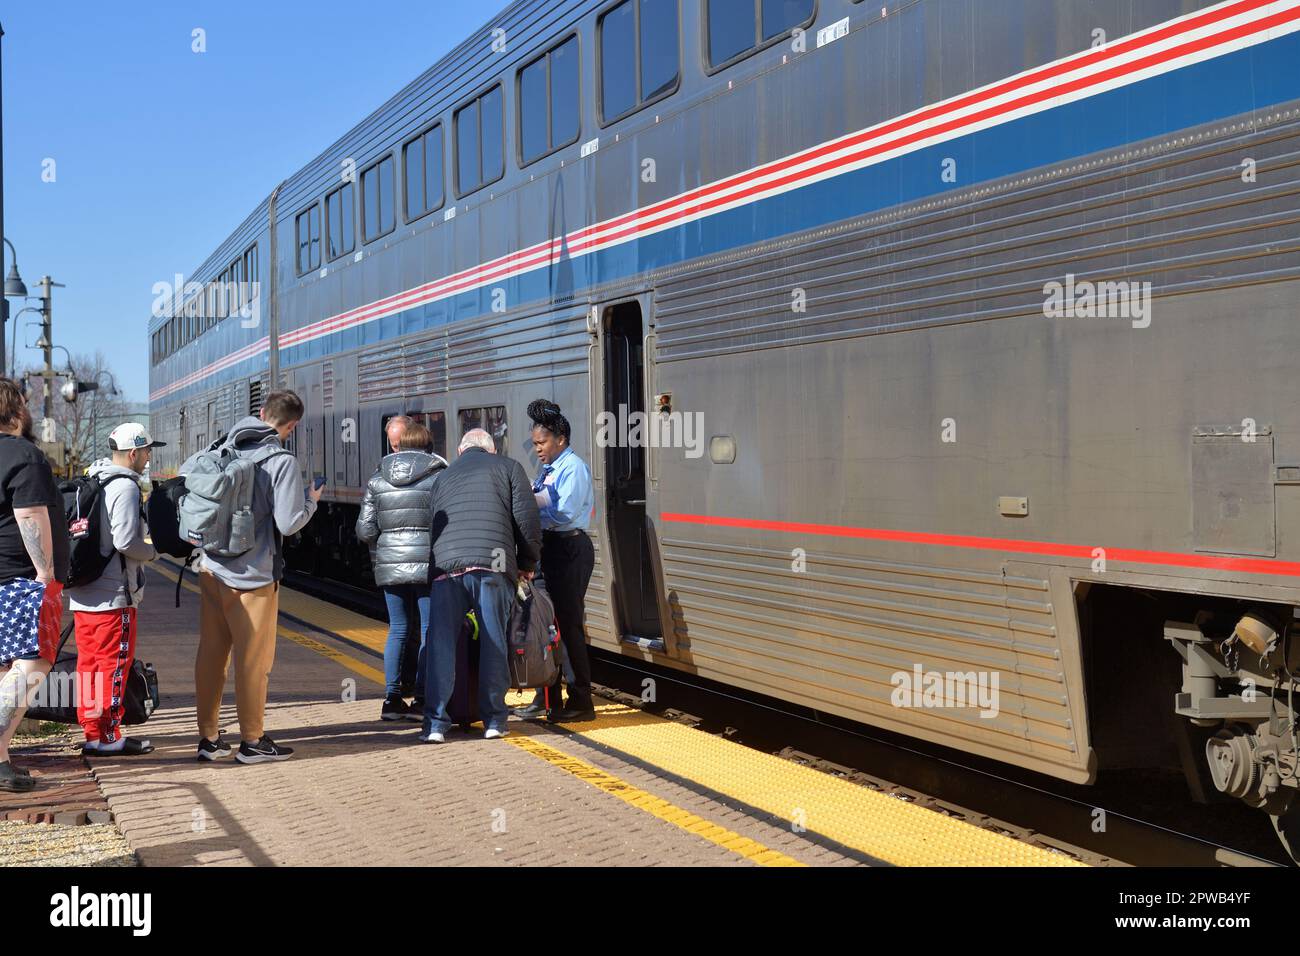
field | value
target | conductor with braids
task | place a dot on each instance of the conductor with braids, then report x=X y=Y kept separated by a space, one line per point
x=565 y=499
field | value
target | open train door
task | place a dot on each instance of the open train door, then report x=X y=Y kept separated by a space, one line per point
x=629 y=486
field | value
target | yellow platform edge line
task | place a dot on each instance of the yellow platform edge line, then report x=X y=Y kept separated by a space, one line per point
x=655 y=806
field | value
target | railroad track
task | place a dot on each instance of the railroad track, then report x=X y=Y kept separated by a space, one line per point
x=1097 y=825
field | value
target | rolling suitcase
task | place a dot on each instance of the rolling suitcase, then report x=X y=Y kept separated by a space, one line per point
x=462 y=709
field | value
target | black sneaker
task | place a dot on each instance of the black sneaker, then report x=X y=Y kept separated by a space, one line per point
x=213 y=751
x=416 y=710
x=263 y=751
x=394 y=709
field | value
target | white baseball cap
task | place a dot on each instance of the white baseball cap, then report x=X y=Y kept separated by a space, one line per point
x=131 y=435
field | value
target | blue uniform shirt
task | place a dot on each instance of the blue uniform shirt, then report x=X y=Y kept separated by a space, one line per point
x=564 y=494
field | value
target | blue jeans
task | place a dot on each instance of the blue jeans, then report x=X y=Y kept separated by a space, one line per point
x=404 y=602
x=490 y=595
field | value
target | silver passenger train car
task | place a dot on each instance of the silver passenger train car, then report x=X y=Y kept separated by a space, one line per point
x=969 y=325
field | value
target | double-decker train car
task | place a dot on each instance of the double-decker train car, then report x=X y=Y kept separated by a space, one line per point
x=969 y=326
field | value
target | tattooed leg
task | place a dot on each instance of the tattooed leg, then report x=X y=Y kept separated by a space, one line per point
x=21 y=680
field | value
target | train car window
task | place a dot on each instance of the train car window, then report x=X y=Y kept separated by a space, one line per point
x=480 y=147
x=639 y=59
x=422 y=173
x=739 y=27
x=781 y=16
x=733 y=29
x=533 y=138
x=658 y=45
x=492 y=419
x=236 y=286
x=377 y=210
x=549 y=102
x=436 y=422
x=340 y=228
x=307 y=239
x=250 y=271
x=618 y=61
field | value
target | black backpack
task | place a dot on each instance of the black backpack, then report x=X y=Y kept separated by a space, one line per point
x=533 y=640
x=163 y=514
x=55 y=699
x=83 y=506
x=164 y=519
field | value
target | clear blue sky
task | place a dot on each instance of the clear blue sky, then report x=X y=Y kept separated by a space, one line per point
x=160 y=152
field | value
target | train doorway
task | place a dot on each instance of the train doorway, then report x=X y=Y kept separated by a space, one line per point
x=635 y=589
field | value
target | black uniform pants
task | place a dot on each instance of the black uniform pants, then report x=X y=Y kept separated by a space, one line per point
x=567 y=563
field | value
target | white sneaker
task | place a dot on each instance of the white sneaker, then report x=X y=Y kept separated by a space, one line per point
x=432 y=738
x=493 y=734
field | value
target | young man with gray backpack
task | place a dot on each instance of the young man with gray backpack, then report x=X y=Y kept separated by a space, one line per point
x=243 y=495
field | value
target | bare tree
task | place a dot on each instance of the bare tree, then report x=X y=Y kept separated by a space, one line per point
x=79 y=425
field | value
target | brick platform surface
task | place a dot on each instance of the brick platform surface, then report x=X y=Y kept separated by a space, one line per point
x=65 y=793
x=362 y=792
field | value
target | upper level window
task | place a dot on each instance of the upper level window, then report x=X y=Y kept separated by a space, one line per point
x=250 y=271
x=480 y=150
x=377 y=200
x=549 y=102
x=638 y=55
x=340 y=229
x=422 y=172
x=236 y=286
x=737 y=27
x=307 y=230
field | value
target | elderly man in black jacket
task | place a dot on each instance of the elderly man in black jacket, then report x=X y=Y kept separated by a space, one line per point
x=486 y=533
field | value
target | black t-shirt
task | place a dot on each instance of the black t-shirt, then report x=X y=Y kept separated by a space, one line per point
x=26 y=481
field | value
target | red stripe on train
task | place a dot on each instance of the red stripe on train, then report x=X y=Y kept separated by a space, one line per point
x=1048 y=548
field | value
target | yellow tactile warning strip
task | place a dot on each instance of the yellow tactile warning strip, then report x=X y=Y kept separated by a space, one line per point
x=849 y=814
x=727 y=839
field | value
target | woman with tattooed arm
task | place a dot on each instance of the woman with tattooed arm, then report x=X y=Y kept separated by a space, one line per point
x=33 y=566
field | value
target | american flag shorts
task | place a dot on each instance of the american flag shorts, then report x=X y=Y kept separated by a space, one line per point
x=23 y=629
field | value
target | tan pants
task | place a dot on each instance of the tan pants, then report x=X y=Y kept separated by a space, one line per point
x=245 y=622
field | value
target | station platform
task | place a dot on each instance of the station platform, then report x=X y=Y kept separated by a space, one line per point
x=629 y=788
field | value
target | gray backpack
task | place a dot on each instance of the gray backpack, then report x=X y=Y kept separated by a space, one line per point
x=216 y=512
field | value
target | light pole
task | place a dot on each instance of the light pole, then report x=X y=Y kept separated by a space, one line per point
x=14 y=286
x=46 y=344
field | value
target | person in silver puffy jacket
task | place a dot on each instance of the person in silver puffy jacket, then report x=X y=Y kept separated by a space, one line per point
x=394 y=522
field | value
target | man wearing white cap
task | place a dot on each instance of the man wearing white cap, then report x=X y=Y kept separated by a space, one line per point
x=105 y=609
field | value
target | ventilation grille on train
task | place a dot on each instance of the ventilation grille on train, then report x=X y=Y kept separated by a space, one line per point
x=254 y=396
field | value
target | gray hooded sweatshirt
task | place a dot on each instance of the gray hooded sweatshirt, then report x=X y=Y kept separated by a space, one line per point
x=280 y=503
x=123 y=531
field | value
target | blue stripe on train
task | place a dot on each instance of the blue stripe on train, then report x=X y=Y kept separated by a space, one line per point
x=1230 y=85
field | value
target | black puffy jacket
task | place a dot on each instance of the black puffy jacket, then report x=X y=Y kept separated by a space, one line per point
x=395 y=516
x=483 y=508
